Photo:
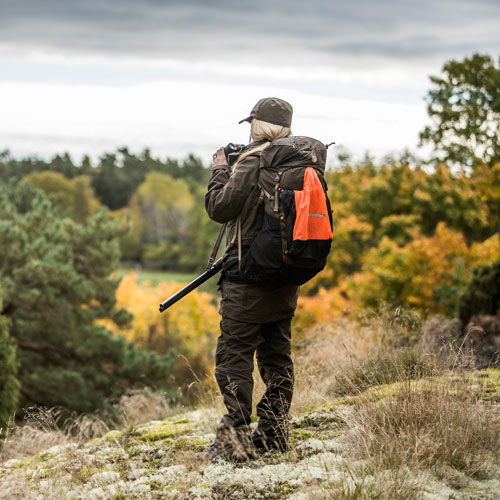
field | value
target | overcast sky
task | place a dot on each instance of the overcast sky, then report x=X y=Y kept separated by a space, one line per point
x=89 y=76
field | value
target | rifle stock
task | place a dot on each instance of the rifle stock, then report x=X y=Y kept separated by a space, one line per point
x=212 y=271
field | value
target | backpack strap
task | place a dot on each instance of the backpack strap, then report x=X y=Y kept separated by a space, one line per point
x=276 y=192
x=275 y=197
x=238 y=231
x=263 y=193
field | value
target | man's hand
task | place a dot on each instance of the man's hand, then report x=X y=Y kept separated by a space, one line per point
x=219 y=158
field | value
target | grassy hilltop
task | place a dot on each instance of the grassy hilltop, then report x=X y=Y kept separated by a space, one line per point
x=428 y=432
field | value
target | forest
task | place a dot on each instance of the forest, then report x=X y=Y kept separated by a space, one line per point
x=77 y=334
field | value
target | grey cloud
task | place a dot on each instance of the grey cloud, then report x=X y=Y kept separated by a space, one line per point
x=408 y=49
x=258 y=30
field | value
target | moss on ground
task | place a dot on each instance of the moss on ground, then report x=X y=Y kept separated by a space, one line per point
x=111 y=436
x=297 y=435
x=85 y=473
x=157 y=460
x=484 y=384
x=192 y=443
x=155 y=431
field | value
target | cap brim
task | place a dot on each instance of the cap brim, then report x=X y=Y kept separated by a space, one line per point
x=249 y=119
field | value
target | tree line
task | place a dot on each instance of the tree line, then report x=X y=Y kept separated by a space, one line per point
x=161 y=201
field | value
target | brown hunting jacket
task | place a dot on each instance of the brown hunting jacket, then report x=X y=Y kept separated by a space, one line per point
x=236 y=195
x=233 y=197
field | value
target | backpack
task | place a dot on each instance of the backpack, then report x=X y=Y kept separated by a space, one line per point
x=296 y=234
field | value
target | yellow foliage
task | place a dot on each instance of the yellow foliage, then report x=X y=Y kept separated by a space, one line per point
x=165 y=192
x=324 y=307
x=190 y=326
x=422 y=195
x=428 y=273
x=485 y=252
x=433 y=264
x=350 y=240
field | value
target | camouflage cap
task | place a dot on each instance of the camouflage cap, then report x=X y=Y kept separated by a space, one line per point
x=272 y=110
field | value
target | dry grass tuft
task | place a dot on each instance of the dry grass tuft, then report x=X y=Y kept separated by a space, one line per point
x=39 y=432
x=358 y=483
x=443 y=424
x=43 y=428
x=383 y=367
x=349 y=356
x=141 y=406
x=328 y=350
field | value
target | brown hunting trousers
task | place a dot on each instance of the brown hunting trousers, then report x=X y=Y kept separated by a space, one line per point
x=234 y=366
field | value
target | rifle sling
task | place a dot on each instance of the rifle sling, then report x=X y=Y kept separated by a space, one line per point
x=213 y=255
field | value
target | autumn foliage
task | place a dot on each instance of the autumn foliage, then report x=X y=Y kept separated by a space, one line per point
x=190 y=327
x=404 y=237
x=427 y=274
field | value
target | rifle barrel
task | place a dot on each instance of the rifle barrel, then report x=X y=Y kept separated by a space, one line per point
x=217 y=266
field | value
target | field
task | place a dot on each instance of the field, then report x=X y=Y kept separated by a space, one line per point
x=154 y=277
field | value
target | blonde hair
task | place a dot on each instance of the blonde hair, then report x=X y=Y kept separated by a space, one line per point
x=260 y=130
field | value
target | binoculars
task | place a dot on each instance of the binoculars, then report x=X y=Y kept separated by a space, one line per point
x=232 y=151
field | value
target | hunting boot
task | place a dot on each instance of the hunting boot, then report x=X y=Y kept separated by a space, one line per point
x=265 y=442
x=271 y=436
x=231 y=444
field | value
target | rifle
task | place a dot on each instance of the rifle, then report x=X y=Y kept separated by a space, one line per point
x=213 y=267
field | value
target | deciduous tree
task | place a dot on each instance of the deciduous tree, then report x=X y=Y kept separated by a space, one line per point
x=428 y=273
x=165 y=205
x=75 y=195
x=464 y=106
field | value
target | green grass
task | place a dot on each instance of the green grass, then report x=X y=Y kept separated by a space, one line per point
x=154 y=277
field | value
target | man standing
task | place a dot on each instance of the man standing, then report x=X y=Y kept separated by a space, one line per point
x=256 y=317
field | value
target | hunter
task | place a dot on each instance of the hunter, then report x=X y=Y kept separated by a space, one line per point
x=256 y=317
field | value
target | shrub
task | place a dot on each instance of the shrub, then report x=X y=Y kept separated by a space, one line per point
x=482 y=295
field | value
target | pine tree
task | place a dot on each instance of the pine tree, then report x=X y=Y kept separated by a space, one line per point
x=56 y=285
x=9 y=386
